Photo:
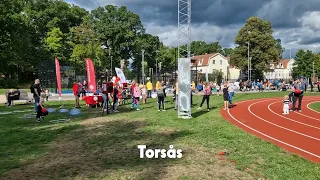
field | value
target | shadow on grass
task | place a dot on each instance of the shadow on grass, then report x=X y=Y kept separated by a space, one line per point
x=202 y=112
x=103 y=150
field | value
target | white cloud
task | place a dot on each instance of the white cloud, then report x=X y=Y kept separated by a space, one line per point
x=311 y=20
x=203 y=32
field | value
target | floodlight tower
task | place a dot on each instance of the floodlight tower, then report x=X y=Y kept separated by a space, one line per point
x=184 y=59
x=184 y=28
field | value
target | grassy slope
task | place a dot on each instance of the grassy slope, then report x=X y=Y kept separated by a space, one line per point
x=106 y=147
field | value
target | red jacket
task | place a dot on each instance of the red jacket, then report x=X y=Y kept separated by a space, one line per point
x=75 y=89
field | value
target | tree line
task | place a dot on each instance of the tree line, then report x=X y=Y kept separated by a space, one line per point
x=33 y=32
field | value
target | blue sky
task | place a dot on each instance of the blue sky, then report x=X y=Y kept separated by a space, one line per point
x=295 y=22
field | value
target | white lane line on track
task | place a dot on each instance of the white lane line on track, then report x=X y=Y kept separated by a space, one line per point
x=249 y=109
x=311 y=108
x=289 y=118
x=265 y=135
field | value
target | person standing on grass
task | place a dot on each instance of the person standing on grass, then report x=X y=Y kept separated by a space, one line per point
x=206 y=95
x=36 y=90
x=161 y=96
x=42 y=111
x=144 y=94
x=136 y=97
x=105 y=98
x=115 y=98
x=231 y=92
x=298 y=94
x=149 y=87
x=225 y=97
x=76 y=94
x=176 y=95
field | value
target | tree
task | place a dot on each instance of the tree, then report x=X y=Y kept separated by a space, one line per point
x=201 y=47
x=150 y=44
x=262 y=47
x=317 y=65
x=118 y=26
x=54 y=41
x=279 y=48
x=303 y=63
x=227 y=51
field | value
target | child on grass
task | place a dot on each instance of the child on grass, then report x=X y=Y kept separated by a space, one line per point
x=136 y=97
x=225 y=97
x=286 y=104
x=144 y=94
x=42 y=111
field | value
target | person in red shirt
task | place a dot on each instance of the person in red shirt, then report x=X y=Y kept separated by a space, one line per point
x=76 y=94
x=133 y=85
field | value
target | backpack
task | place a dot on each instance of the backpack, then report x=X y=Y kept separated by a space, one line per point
x=31 y=88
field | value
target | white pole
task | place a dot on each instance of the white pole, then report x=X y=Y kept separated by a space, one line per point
x=290 y=53
x=248 y=60
x=313 y=72
x=142 y=66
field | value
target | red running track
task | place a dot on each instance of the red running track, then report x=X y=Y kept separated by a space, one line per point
x=297 y=132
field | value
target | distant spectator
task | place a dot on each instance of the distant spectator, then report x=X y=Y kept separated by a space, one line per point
x=76 y=94
x=13 y=95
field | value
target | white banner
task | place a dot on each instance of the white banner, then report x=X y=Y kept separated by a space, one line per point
x=121 y=75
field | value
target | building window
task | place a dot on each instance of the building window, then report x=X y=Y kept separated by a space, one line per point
x=220 y=62
x=200 y=62
x=213 y=61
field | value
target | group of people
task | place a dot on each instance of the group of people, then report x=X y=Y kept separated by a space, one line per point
x=211 y=88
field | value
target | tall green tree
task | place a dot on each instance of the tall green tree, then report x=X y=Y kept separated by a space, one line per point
x=54 y=41
x=150 y=44
x=201 y=47
x=303 y=63
x=119 y=27
x=227 y=51
x=262 y=47
x=279 y=48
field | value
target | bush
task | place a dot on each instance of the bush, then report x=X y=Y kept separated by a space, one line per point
x=8 y=83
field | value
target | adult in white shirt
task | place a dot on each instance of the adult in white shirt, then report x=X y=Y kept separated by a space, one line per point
x=237 y=85
x=231 y=91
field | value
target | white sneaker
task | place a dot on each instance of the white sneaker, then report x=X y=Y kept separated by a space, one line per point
x=164 y=110
x=199 y=108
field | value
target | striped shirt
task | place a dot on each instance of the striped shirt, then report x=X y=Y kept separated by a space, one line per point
x=286 y=101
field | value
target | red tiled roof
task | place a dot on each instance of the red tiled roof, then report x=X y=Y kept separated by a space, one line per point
x=205 y=59
x=284 y=62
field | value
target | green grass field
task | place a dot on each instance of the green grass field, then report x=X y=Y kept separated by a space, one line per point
x=2 y=91
x=90 y=146
x=315 y=106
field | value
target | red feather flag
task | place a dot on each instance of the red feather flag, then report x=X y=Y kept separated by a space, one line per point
x=58 y=76
x=91 y=75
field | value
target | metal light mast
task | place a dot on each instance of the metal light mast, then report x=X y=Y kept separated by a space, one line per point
x=184 y=59
x=184 y=28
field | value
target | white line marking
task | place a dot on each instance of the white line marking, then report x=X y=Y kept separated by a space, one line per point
x=311 y=108
x=317 y=156
x=289 y=118
x=249 y=109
